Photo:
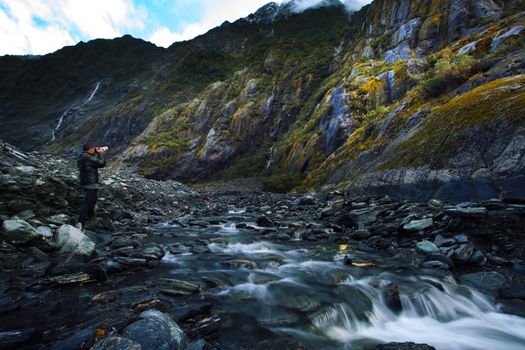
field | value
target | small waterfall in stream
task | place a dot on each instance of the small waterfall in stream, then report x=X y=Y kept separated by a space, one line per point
x=352 y=307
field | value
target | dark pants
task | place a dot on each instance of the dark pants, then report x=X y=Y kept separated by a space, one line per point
x=88 y=208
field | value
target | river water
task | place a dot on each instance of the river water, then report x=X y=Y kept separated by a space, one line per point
x=305 y=291
x=269 y=294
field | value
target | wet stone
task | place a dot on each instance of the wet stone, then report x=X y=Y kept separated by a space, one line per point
x=38 y=254
x=156 y=330
x=19 y=231
x=467 y=212
x=59 y=219
x=478 y=258
x=45 y=231
x=239 y=264
x=418 y=225
x=173 y=284
x=265 y=221
x=199 y=249
x=15 y=338
x=333 y=208
x=292 y=296
x=79 y=277
x=73 y=241
x=403 y=346
x=442 y=241
x=131 y=261
x=463 y=252
x=515 y=291
x=435 y=264
x=390 y=294
x=114 y=342
x=26 y=214
x=358 y=302
x=361 y=234
x=461 y=239
x=427 y=247
x=490 y=281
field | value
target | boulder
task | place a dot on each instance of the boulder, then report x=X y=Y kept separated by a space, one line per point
x=361 y=234
x=19 y=231
x=265 y=221
x=418 y=225
x=442 y=241
x=304 y=200
x=293 y=296
x=390 y=294
x=467 y=212
x=333 y=208
x=404 y=346
x=490 y=281
x=478 y=258
x=45 y=231
x=360 y=304
x=59 y=219
x=435 y=264
x=73 y=241
x=114 y=342
x=516 y=291
x=156 y=330
x=427 y=247
x=463 y=252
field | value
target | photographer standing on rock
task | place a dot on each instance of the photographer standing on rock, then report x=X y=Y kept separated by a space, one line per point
x=88 y=163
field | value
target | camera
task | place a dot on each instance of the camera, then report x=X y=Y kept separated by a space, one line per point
x=101 y=149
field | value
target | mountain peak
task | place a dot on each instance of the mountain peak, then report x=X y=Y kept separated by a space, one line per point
x=272 y=11
x=265 y=14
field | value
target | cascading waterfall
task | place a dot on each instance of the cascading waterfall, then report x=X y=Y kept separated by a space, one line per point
x=348 y=307
x=440 y=313
x=62 y=117
x=60 y=120
x=94 y=91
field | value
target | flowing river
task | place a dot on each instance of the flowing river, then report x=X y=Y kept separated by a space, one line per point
x=278 y=295
x=306 y=291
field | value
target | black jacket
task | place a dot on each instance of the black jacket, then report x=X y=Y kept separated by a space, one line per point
x=88 y=165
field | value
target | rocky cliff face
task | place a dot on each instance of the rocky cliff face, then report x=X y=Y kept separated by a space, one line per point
x=396 y=95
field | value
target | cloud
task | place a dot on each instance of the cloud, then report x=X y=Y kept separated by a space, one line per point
x=42 y=26
x=354 y=5
x=214 y=14
x=301 y=5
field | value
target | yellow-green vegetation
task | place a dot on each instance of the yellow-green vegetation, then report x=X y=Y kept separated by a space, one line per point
x=441 y=134
x=448 y=73
x=147 y=166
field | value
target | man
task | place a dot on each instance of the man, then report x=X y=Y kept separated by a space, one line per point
x=88 y=163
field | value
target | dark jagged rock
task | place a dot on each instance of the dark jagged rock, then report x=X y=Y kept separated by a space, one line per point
x=404 y=346
x=156 y=330
x=490 y=281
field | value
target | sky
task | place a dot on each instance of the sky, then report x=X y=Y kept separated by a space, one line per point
x=37 y=27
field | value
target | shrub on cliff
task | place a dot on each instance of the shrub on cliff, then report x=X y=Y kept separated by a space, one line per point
x=448 y=73
x=455 y=71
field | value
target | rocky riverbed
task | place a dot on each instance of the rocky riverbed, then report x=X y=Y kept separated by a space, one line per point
x=167 y=267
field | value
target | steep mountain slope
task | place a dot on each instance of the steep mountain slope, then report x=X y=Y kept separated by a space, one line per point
x=396 y=95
